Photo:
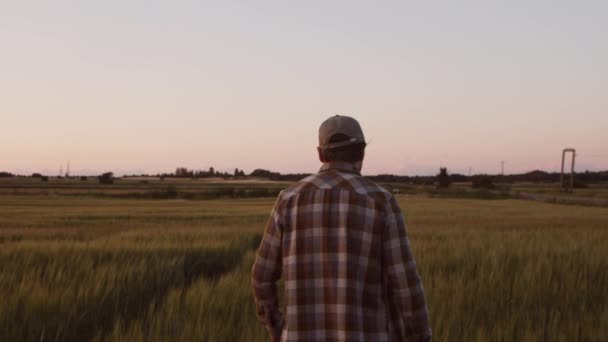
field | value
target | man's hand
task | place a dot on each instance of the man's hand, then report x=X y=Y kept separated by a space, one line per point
x=275 y=335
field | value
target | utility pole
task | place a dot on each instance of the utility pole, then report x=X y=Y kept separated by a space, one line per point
x=565 y=187
x=502 y=167
x=67 y=172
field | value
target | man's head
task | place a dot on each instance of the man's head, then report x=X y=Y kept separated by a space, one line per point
x=341 y=139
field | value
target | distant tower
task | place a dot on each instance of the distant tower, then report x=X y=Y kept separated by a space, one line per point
x=502 y=167
x=60 y=170
x=570 y=186
x=67 y=172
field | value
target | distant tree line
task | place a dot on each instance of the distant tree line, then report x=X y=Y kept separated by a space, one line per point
x=443 y=179
x=536 y=176
x=182 y=172
x=533 y=176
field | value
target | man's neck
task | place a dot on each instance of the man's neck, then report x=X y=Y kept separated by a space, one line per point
x=342 y=166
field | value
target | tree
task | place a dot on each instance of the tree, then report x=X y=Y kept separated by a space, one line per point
x=211 y=172
x=180 y=171
x=443 y=180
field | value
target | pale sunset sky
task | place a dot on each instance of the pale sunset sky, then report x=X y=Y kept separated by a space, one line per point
x=146 y=86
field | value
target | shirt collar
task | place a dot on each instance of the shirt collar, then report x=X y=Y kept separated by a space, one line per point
x=340 y=166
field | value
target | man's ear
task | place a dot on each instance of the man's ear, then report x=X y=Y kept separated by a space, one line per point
x=321 y=155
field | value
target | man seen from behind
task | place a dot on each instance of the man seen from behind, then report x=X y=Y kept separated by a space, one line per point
x=340 y=242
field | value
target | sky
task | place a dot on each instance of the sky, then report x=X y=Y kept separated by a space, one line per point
x=147 y=86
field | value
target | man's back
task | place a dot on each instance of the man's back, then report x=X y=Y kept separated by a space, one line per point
x=340 y=243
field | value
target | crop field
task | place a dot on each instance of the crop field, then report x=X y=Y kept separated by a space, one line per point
x=139 y=261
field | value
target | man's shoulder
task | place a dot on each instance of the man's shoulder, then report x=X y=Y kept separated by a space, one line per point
x=299 y=186
x=337 y=180
x=370 y=187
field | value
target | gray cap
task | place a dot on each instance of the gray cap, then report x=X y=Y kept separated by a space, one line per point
x=340 y=124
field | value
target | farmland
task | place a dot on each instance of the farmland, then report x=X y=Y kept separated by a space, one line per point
x=145 y=260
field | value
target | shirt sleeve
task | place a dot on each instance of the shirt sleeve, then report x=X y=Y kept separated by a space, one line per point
x=404 y=283
x=266 y=272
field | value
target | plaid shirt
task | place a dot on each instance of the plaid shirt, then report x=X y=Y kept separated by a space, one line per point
x=340 y=242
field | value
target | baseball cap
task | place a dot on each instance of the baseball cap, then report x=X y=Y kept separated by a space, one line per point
x=340 y=124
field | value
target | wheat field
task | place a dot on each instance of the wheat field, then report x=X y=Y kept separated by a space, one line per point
x=89 y=268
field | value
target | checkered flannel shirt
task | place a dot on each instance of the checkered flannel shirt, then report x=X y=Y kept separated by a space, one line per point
x=339 y=240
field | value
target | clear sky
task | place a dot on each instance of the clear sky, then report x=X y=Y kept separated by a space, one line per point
x=146 y=86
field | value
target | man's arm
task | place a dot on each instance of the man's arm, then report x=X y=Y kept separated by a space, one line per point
x=266 y=272
x=402 y=276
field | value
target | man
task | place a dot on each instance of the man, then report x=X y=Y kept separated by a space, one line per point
x=340 y=242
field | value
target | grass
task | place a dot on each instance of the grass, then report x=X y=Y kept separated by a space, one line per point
x=120 y=269
x=207 y=311
x=58 y=290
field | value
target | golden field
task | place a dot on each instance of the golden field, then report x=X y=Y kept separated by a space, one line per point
x=77 y=265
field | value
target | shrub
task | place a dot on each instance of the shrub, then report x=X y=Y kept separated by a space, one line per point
x=578 y=184
x=482 y=182
x=106 y=178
